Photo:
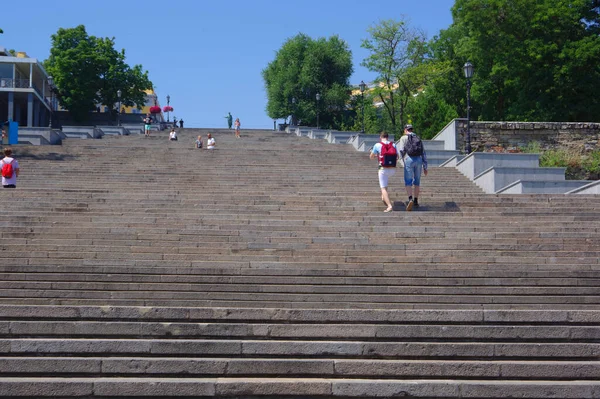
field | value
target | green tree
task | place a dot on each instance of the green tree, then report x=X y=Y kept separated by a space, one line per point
x=534 y=59
x=87 y=71
x=429 y=113
x=398 y=55
x=115 y=74
x=302 y=68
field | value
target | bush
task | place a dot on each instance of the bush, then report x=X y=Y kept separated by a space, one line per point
x=579 y=167
x=592 y=162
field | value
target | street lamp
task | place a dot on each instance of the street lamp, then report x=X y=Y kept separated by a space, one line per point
x=468 y=68
x=50 y=83
x=119 y=92
x=362 y=86
x=168 y=112
x=318 y=97
x=293 y=109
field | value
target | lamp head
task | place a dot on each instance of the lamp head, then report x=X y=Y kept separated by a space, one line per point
x=468 y=69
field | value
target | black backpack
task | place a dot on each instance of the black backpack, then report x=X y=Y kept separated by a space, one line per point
x=413 y=146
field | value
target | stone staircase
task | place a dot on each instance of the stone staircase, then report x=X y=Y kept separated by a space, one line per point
x=133 y=267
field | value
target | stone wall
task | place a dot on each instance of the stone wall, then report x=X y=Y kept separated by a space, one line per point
x=576 y=136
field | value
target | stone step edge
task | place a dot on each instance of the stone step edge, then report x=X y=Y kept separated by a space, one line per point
x=18 y=312
x=203 y=367
x=281 y=387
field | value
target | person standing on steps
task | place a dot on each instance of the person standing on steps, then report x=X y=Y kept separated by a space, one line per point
x=147 y=125
x=414 y=158
x=229 y=120
x=10 y=169
x=236 y=126
x=386 y=153
x=181 y=123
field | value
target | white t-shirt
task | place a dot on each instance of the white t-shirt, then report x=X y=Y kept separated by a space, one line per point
x=15 y=165
x=210 y=144
x=172 y=135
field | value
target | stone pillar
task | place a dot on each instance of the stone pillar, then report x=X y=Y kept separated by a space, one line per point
x=18 y=114
x=29 y=109
x=11 y=106
x=36 y=113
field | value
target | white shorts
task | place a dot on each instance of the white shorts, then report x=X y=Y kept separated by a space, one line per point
x=384 y=175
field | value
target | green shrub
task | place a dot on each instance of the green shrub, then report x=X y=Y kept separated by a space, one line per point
x=560 y=158
x=578 y=166
x=591 y=162
x=532 y=148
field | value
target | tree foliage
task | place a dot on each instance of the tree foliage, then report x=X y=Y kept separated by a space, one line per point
x=302 y=68
x=535 y=60
x=398 y=56
x=87 y=71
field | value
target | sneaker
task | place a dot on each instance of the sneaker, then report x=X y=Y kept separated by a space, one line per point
x=416 y=202
x=409 y=206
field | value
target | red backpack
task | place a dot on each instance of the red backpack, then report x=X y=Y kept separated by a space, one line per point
x=7 y=169
x=388 y=155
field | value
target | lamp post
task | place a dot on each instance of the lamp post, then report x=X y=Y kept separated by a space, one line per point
x=468 y=69
x=318 y=97
x=168 y=112
x=50 y=83
x=362 y=86
x=293 y=109
x=119 y=92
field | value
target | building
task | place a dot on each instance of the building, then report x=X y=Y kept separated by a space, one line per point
x=25 y=92
x=151 y=100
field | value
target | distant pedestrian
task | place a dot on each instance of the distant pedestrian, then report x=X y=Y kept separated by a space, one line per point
x=210 y=142
x=199 y=142
x=173 y=135
x=387 y=155
x=229 y=119
x=10 y=169
x=414 y=157
x=236 y=126
x=181 y=123
x=174 y=122
x=147 y=125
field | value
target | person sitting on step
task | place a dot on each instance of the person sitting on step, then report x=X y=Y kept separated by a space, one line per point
x=210 y=143
x=173 y=135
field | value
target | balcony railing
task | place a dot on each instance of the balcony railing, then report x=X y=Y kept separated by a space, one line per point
x=14 y=83
x=7 y=83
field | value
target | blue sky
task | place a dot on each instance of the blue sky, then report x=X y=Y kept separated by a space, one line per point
x=208 y=55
